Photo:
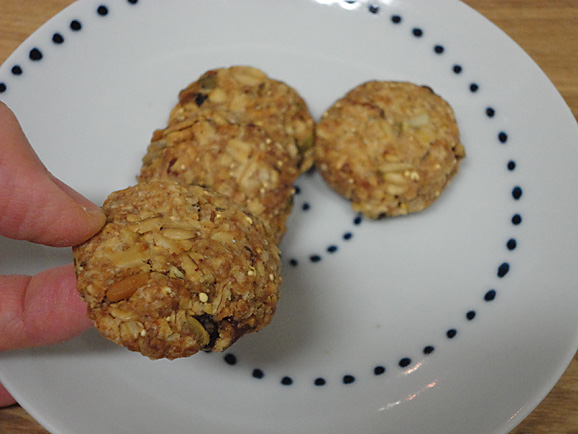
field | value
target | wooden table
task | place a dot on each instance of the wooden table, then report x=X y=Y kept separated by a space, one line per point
x=546 y=29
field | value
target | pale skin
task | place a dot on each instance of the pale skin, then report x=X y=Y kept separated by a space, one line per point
x=35 y=206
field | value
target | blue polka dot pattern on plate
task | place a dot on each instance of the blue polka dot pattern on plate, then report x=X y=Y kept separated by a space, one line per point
x=57 y=38
x=35 y=55
x=340 y=242
x=75 y=26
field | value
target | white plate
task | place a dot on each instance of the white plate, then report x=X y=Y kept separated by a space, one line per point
x=392 y=292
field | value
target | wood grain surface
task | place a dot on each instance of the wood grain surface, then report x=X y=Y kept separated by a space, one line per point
x=546 y=29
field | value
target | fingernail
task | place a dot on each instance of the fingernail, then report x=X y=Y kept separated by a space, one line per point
x=93 y=210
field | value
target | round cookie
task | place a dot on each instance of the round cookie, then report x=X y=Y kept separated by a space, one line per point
x=238 y=160
x=247 y=95
x=177 y=269
x=389 y=147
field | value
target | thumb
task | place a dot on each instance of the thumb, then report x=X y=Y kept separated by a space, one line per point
x=34 y=205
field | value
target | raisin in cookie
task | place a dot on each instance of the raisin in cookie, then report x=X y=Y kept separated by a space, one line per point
x=389 y=147
x=177 y=269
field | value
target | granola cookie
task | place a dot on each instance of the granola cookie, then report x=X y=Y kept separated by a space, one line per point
x=389 y=147
x=238 y=160
x=247 y=95
x=177 y=269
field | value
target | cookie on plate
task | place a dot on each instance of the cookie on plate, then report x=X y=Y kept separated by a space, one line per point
x=247 y=95
x=238 y=160
x=389 y=147
x=177 y=269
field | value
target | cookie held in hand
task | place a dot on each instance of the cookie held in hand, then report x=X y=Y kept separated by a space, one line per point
x=177 y=269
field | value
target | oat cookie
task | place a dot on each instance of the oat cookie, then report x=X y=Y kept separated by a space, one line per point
x=177 y=269
x=389 y=147
x=238 y=160
x=247 y=95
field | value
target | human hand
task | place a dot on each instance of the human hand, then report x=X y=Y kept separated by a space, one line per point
x=35 y=206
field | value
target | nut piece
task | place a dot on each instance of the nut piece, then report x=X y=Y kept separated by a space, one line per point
x=126 y=287
x=199 y=331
